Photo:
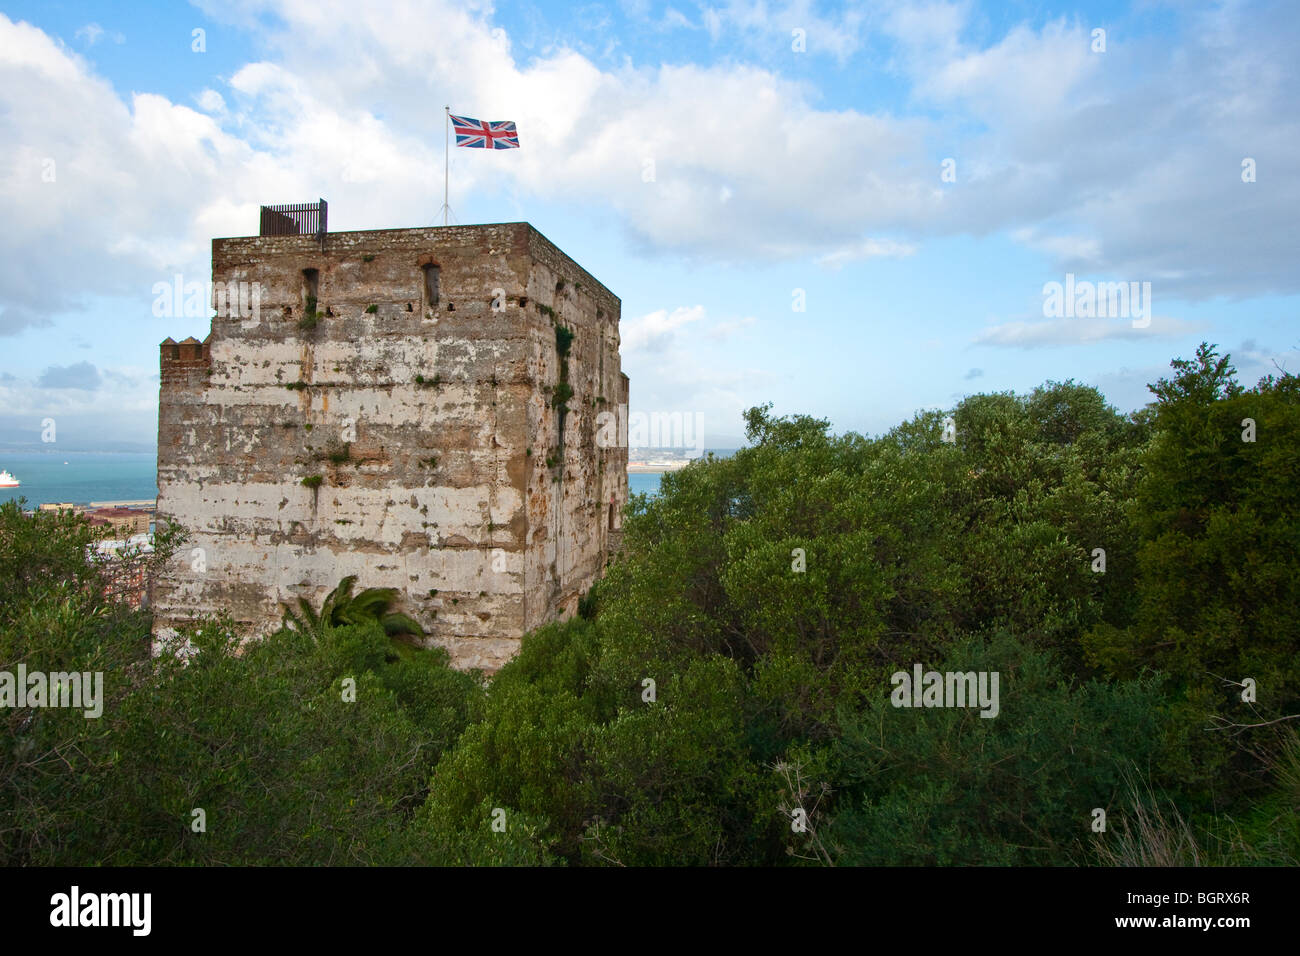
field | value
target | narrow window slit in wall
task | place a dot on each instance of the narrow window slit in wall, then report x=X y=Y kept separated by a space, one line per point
x=431 y=285
x=310 y=290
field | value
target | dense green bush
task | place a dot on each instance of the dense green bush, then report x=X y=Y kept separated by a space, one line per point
x=724 y=695
x=261 y=739
x=947 y=786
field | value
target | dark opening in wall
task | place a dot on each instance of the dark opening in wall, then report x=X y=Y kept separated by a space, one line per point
x=430 y=285
x=611 y=516
x=310 y=290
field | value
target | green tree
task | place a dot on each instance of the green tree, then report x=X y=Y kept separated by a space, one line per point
x=1218 y=551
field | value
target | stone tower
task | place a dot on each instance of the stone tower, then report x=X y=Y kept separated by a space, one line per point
x=418 y=407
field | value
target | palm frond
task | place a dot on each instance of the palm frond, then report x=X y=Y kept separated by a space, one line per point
x=341 y=607
x=394 y=624
x=333 y=611
x=304 y=620
x=309 y=616
x=373 y=602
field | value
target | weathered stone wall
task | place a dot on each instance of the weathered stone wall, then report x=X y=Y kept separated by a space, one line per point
x=431 y=425
x=569 y=501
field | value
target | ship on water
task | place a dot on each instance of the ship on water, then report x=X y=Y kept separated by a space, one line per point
x=7 y=480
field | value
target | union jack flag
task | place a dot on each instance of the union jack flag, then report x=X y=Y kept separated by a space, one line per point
x=481 y=134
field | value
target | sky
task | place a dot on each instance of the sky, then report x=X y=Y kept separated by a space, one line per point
x=853 y=211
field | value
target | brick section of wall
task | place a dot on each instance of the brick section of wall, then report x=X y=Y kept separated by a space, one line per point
x=444 y=489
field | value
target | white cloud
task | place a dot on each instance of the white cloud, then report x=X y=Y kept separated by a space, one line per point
x=866 y=249
x=1070 y=251
x=683 y=379
x=673 y=358
x=211 y=101
x=82 y=375
x=759 y=148
x=1027 y=74
x=144 y=183
x=81 y=389
x=117 y=192
x=1082 y=331
x=92 y=33
x=771 y=24
x=1129 y=165
x=654 y=331
x=674 y=19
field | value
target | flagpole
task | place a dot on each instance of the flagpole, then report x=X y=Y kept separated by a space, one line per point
x=446 y=161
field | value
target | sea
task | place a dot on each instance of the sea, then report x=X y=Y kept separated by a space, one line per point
x=83 y=477
x=80 y=476
x=644 y=483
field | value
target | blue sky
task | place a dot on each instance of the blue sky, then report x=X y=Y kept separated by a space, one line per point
x=711 y=163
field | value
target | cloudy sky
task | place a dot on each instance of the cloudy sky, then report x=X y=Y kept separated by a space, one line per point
x=848 y=210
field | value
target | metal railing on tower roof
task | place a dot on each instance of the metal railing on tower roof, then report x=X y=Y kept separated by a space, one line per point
x=296 y=219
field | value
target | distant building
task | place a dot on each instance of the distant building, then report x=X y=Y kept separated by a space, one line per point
x=123 y=521
x=124 y=564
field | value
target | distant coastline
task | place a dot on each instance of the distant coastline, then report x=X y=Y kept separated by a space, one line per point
x=653 y=468
x=647 y=461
